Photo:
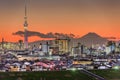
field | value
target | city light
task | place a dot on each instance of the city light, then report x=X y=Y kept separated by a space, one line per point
x=116 y=67
x=73 y=69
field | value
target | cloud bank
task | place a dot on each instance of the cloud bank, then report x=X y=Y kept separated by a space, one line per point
x=42 y=35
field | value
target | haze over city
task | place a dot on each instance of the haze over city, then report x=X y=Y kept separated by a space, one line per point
x=62 y=16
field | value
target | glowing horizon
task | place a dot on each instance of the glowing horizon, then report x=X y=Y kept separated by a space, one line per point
x=78 y=17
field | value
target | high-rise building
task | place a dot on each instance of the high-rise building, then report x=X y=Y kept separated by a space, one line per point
x=63 y=45
x=2 y=43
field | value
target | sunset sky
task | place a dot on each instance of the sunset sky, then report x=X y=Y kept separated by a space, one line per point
x=62 y=16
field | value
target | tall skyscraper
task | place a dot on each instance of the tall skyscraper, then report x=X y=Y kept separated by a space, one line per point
x=2 y=43
x=25 y=27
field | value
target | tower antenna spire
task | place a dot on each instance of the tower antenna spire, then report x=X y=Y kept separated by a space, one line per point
x=25 y=8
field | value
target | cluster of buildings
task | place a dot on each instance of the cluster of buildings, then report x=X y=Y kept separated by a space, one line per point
x=86 y=45
x=63 y=46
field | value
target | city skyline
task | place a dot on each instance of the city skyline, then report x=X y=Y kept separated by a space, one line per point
x=78 y=17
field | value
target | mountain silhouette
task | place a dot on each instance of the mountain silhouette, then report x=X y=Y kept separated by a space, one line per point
x=92 y=39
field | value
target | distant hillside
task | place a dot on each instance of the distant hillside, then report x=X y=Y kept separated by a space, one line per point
x=92 y=38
